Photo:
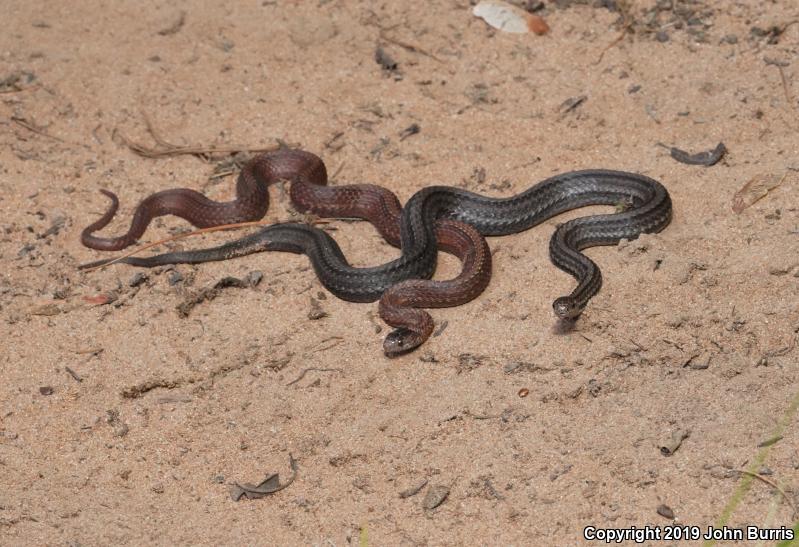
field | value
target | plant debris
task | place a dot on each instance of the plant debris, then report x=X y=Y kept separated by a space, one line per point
x=756 y=189
x=441 y=328
x=572 y=103
x=386 y=61
x=670 y=445
x=769 y=442
x=413 y=490
x=469 y=361
x=706 y=158
x=316 y=312
x=175 y=27
x=269 y=485
x=47 y=310
x=56 y=225
x=435 y=496
x=100 y=299
x=74 y=374
x=164 y=148
x=17 y=81
x=209 y=293
x=412 y=129
x=311 y=369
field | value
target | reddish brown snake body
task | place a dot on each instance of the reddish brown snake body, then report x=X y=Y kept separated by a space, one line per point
x=399 y=299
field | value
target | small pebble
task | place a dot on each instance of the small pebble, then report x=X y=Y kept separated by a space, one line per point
x=254 y=278
x=665 y=511
x=60 y=293
x=137 y=279
x=316 y=312
x=175 y=277
x=435 y=496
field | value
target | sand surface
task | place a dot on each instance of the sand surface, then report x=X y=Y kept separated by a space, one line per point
x=122 y=422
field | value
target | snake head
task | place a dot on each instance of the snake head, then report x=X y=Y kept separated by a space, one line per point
x=566 y=307
x=401 y=341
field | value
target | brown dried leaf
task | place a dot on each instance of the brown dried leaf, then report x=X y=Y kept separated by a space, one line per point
x=757 y=188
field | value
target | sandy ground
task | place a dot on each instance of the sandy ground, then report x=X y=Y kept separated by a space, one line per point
x=127 y=423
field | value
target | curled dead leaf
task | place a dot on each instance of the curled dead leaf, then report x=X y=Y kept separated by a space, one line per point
x=757 y=188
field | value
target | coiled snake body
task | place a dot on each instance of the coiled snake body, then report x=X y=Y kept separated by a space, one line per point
x=417 y=228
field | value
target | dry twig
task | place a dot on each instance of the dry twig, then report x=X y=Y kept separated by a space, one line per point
x=313 y=369
x=165 y=148
x=771 y=483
